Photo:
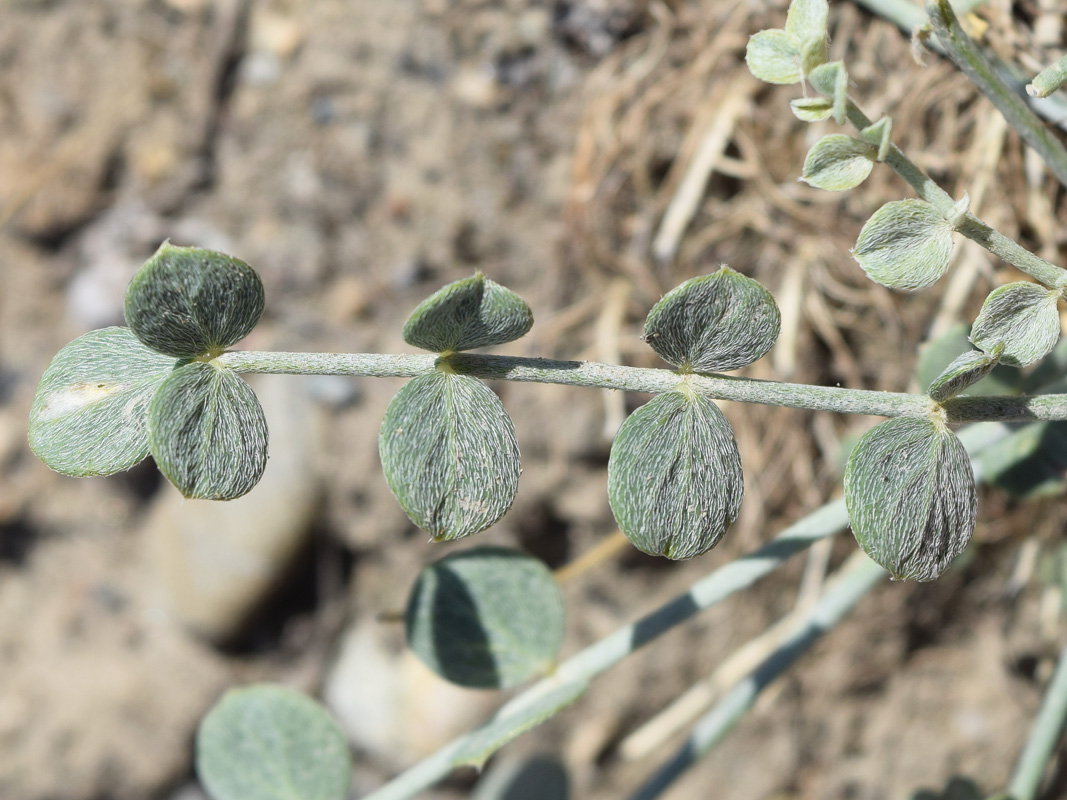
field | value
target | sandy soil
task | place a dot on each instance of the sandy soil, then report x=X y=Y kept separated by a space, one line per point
x=359 y=154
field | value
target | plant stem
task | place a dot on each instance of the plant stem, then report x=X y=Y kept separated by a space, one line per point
x=973 y=228
x=907 y=16
x=1049 y=79
x=654 y=381
x=975 y=66
x=854 y=580
x=706 y=592
x=1044 y=734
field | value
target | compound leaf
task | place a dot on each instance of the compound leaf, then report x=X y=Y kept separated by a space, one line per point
x=473 y=312
x=187 y=302
x=964 y=371
x=674 y=476
x=911 y=499
x=838 y=162
x=1023 y=317
x=449 y=453
x=207 y=432
x=774 y=56
x=714 y=323
x=90 y=413
x=271 y=743
x=906 y=244
x=511 y=722
x=486 y=618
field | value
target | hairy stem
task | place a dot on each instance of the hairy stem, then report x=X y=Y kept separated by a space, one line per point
x=654 y=381
x=998 y=244
x=975 y=66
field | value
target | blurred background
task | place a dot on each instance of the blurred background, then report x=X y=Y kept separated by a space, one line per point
x=590 y=155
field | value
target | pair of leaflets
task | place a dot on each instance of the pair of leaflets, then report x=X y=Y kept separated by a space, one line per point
x=114 y=395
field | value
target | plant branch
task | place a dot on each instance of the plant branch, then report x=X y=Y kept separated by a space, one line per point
x=853 y=581
x=593 y=374
x=706 y=592
x=975 y=66
x=976 y=230
x=1044 y=734
x=907 y=16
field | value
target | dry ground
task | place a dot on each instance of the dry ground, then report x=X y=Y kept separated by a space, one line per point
x=361 y=153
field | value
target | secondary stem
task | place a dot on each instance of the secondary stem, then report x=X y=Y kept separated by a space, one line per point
x=596 y=375
x=976 y=230
x=1043 y=736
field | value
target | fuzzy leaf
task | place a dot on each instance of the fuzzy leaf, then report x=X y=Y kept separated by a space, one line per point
x=449 y=454
x=486 y=618
x=674 y=476
x=879 y=134
x=473 y=312
x=207 y=432
x=812 y=109
x=936 y=355
x=838 y=162
x=188 y=302
x=1021 y=316
x=714 y=323
x=511 y=722
x=906 y=244
x=806 y=20
x=90 y=413
x=966 y=370
x=831 y=80
x=774 y=56
x=911 y=499
x=270 y=743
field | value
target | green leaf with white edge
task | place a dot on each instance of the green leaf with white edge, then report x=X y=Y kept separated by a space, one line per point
x=714 y=323
x=207 y=432
x=879 y=134
x=936 y=355
x=674 y=476
x=469 y=313
x=966 y=370
x=806 y=20
x=910 y=495
x=486 y=618
x=514 y=720
x=838 y=162
x=187 y=302
x=1024 y=318
x=812 y=109
x=90 y=413
x=267 y=742
x=906 y=244
x=449 y=454
x=774 y=56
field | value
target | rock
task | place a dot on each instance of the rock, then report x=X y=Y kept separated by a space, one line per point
x=217 y=561
x=390 y=704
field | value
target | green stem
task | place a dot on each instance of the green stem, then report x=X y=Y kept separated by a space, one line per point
x=654 y=381
x=907 y=16
x=975 y=66
x=1049 y=79
x=973 y=228
x=854 y=581
x=613 y=648
x=1044 y=734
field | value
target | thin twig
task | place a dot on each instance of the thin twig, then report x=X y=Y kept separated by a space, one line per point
x=973 y=63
